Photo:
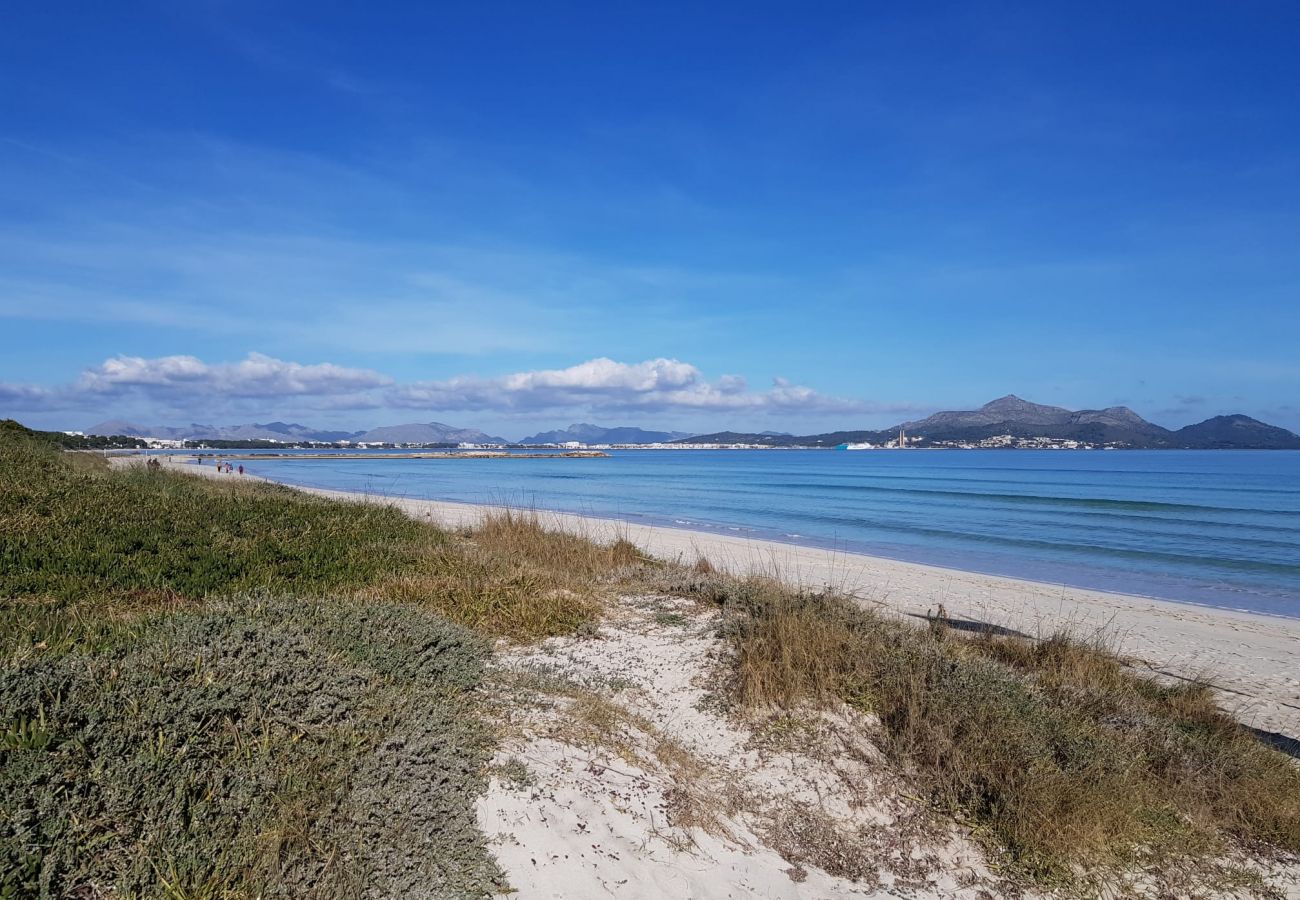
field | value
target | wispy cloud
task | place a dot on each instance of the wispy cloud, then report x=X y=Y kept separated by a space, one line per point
x=335 y=293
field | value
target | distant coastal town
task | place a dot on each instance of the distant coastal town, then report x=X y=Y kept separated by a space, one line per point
x=903 y=442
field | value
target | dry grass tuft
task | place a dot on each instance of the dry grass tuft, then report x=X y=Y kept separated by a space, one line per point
x=806 y=836
x=799 y=653
x=1056 y=752
x=513 y=578
x=521 y=535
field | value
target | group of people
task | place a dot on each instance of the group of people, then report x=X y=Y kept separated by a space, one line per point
x=225 y=467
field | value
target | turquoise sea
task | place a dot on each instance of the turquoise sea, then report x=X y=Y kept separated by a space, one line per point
x=1212 y=527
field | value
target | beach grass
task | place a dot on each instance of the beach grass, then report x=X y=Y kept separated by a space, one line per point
x=1067 y=763
x=512 y=577
x=84 y=550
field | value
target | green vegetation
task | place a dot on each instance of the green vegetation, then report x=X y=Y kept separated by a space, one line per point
x=224 y=688
x=81 y=548
x=1068 y=764
x=214 y=688
x=257 y=747
x=11 y=430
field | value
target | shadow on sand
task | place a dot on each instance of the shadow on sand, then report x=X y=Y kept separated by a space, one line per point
x=974 y=626
x=1283 y=743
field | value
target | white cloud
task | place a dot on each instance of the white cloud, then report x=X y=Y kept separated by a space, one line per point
x=606 y=385
x=263 y=385
x=256 y=375
x=23 y=397
x=604 y=374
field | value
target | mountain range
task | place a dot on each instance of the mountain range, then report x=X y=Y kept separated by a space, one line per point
x=1010 y=415
x=428 y=433
x=594 y=434
x=415 y=433
x=1019 y=418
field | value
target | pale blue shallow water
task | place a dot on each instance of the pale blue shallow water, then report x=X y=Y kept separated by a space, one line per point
x=1213 y=527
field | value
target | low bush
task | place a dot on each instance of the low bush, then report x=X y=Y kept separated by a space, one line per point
x=248 y=748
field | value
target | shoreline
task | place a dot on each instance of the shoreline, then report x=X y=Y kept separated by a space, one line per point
x=1250 y=657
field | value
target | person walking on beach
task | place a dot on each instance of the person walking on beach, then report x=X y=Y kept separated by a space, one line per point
x=241 y=469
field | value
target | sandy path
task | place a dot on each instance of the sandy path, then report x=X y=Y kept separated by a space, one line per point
x=1253 y=659
x=597 y=808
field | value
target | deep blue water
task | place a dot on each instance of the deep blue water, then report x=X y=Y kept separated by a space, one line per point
x=1212 y=527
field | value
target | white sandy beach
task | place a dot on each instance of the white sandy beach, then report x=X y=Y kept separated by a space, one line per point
x=1253 y=659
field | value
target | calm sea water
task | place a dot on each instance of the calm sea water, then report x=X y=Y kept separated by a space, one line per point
x=1219 y=527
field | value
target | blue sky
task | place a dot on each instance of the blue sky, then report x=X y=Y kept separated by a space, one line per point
x=696 y=216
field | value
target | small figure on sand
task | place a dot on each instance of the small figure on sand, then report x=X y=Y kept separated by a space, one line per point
x=241 y=469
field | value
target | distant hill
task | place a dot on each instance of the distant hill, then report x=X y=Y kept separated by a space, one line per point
x=428 y=433
x=1010 y=415
x=1020 y=418
x=118 y=426
x=272 y=431
x=279 y=431
x=595 y=434
x=1011 y=410
x=419 y=433
x=1225 y=432
x=770 y=439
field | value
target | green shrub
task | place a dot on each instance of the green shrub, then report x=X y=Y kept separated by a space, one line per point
x=260 y=747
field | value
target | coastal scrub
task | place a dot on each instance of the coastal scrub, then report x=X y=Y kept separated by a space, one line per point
x=236 y=689
x=1069 y=764
x=249 y=747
